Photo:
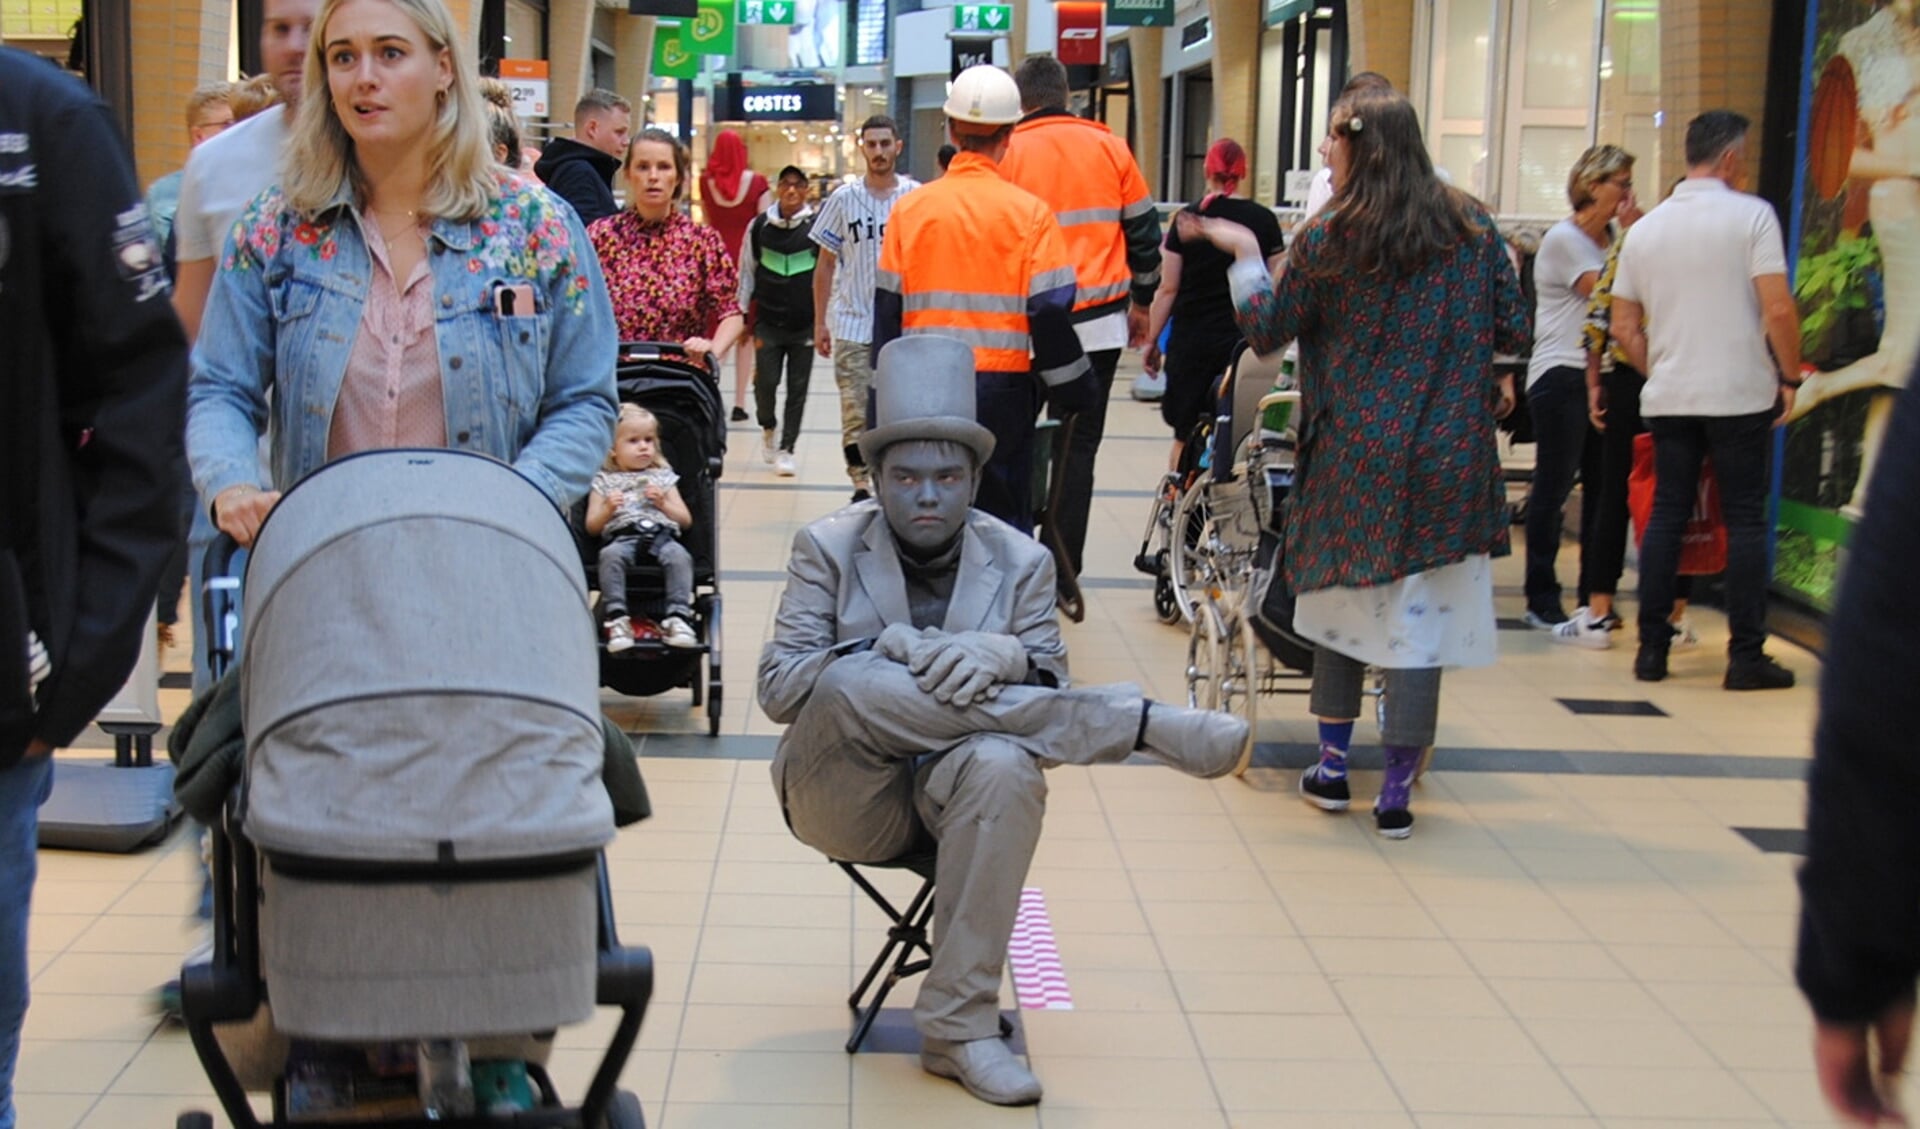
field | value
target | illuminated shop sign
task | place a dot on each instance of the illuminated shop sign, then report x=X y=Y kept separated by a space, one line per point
x=806 y=102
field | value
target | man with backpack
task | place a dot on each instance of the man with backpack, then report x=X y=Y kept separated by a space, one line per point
x=777 y=261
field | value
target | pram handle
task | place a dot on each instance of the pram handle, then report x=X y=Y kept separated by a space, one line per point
x=220 y=603
x=1272 y=399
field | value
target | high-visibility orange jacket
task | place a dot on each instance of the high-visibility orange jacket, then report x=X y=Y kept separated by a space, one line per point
x=973 y=257
x=1089 y=178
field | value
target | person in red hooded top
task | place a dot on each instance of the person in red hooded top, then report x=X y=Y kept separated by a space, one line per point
x=731 y=195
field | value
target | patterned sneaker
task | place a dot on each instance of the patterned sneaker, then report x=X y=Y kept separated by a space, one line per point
x=1684 y=636
x=676 y=632
x=1584 y=631
x=1324 y=790
x=619 y=635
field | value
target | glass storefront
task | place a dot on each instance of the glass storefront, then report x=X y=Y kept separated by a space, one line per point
x=1515 y=90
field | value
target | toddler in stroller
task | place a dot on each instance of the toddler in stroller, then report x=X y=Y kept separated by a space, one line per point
x=636 y=507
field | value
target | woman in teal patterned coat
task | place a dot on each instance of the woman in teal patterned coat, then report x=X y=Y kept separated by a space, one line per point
x=1399 y=296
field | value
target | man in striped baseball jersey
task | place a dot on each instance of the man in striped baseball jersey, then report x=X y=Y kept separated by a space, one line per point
x=848 y=230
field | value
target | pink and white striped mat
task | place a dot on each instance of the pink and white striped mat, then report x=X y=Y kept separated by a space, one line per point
x=1038 y=978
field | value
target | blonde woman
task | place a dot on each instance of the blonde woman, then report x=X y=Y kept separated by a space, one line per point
x=398 y=288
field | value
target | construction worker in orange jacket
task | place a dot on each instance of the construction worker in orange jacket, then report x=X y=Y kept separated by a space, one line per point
x=1090 y=180
x=974 y=257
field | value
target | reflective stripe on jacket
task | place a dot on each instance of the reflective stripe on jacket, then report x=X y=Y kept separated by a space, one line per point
x=1090 y=180
x=974 y=257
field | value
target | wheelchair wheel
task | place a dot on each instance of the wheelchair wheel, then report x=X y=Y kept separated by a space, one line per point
x=1164 y=603
x=1206 y=658
x=1240 y=688
x=1186 y=549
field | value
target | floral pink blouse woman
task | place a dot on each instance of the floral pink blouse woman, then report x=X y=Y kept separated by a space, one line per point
x=670 y=279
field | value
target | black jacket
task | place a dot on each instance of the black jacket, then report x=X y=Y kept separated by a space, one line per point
x=1860 y=888
x=92 y=404
x=581 y=175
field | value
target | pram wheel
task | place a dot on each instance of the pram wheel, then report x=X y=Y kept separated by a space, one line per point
x=625 y=1113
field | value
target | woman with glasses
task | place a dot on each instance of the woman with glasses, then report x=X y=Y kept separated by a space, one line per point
x=1571 y=258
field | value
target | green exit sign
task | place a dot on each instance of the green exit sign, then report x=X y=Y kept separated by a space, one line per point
x=983 y=19
x=777 y=13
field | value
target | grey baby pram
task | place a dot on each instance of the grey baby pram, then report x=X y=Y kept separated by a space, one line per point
x=415 y=848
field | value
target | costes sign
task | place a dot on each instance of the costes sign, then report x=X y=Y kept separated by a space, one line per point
x=802 y=102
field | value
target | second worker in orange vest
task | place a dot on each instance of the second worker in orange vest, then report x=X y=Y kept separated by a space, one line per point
x=974 y=257
x=1089 y=179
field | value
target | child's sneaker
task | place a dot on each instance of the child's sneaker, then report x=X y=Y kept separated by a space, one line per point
x=1584 y=631
x=675 y=632
x=619 y=635
x=1684 y=636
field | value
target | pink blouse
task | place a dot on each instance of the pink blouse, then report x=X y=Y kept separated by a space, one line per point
x=668 y=280
x=390 y=395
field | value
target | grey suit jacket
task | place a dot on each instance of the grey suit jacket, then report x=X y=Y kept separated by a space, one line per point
x=844 y=585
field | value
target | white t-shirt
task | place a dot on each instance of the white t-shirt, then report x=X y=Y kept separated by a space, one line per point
x=222 y=177
x=1691 y=264
x=1559 y=312
x=1319 y=192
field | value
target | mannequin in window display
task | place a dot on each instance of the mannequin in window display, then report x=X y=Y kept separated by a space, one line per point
x=1883 y=55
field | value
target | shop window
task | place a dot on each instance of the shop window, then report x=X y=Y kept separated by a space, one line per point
x=1517 y=89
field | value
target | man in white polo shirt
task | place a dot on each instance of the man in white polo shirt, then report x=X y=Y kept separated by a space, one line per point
x=1700 y=298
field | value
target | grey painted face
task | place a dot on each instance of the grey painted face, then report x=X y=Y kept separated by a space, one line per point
x=925 y=488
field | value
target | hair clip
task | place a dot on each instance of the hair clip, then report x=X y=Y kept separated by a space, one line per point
x=1355 y=125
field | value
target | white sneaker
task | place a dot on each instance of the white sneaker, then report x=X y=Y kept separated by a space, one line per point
x=1149 y=388
x=619 y=635
x=768 y=447
x=1583 y=631
x=676 y=632
x=1684 y=636
x=783 y=465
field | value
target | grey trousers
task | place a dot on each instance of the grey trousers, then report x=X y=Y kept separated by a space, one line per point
x=618 y=555
x=873 y=766
x=1413 y=697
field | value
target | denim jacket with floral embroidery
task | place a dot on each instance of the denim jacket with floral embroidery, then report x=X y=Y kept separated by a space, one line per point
x=533 y=390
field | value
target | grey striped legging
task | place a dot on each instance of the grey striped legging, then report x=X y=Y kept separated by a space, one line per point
x=1413 y=697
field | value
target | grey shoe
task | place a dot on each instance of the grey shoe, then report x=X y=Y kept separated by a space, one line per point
x=986 y=1067
x=1203 y=743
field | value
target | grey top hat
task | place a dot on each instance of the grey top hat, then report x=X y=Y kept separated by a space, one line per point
x=923 y=388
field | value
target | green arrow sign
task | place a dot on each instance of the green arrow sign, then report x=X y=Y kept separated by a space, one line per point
x=773 y=13
x=671 y=59
x=983 y=19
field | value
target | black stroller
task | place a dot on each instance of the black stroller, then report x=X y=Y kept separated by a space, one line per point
x=413 y=850
x=685 y=397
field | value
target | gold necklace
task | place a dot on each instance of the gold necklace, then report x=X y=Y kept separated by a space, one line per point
x=413 y=221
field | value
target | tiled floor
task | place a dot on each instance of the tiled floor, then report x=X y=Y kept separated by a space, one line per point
x=1576 y=935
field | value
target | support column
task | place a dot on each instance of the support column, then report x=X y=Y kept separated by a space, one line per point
x=1380 y=39
x=1236 y=68
x=1148 y=111
x=633 y=57
x=569 y=50
x=1713 y=56
x=178 y=44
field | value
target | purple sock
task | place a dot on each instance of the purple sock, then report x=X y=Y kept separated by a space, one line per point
x=1396 y=790
x=1335 y=738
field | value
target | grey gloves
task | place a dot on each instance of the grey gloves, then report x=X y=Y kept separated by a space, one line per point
x=957 y=668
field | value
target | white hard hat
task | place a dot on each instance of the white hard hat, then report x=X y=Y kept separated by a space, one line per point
x=984 y=95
